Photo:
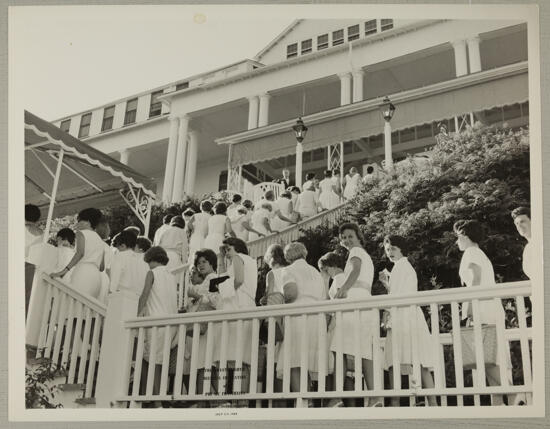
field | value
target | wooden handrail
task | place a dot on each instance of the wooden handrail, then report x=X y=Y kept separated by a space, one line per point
x=87 y=300
x=441 y=296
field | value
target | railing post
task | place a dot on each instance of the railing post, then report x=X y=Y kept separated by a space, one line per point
x=115 y=347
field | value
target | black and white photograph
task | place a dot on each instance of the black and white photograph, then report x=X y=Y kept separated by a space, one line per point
x=275 y=212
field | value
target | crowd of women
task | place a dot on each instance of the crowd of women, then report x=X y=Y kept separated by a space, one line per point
x=224 y=277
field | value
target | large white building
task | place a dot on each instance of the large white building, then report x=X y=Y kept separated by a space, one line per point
x=333 y=73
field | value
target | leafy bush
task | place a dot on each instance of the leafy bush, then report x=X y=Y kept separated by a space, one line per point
x=39 y=392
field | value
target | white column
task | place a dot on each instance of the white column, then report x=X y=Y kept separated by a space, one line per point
x=118 y=118
x=387 y=147
x=124 y=154
x=474 y=55
x=263 y=117
x=299 y=151
x=253 y=106
x=97 y=120
x=179 y=172
x=358 y=85
x=191 y=167
x=345 y=88
x=170 y=160
x=461 y=63
x=115 y=351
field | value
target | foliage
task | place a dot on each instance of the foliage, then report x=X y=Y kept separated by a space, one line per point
x=39 y=391
x=479 y=174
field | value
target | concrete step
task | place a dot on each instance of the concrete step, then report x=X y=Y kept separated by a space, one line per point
x=85 y=402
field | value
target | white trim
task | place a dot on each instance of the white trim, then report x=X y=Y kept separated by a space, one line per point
x=88 y=159
x=277 y=39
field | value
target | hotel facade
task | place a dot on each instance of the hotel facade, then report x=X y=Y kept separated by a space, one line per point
x=231 y=128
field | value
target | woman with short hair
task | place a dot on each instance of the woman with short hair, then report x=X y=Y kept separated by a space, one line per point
x=219 y=227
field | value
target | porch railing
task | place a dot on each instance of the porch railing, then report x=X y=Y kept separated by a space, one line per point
x=70 y=333
x=257 y=248
x=179 y=336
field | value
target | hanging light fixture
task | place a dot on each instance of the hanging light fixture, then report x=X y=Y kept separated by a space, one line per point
x=300 y=130
x=387 y=109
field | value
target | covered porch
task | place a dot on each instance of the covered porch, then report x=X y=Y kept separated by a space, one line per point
x=353 y=134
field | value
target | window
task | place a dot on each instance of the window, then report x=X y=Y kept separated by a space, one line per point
x=353 y=32
x=337 y=37
x=84 y=130
x=222 y=181
x=155 y=108
x=512 y=112
x=406 y=135
x=386 y=24
x=108 y=115
x=423 y=131
x=131 y=109
x=65 y=125
x=370 y=27
x=306 y=46
x=322 y=42
x=292 y=51
x=182 y=85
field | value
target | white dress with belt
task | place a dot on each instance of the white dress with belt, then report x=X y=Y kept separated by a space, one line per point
x=216 y=233
x=328 y=198
x=86 y=276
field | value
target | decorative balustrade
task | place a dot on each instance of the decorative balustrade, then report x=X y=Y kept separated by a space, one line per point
x=257 y=248
x=70 y=333
x=178 y=378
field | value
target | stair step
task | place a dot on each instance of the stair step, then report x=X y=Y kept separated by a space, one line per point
x=85 y=401
x=71 y=387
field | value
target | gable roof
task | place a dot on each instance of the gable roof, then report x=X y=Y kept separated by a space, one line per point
x=277 y=39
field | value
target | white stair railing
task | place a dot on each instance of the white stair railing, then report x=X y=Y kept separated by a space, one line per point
x=258 y=247
x=179 y=336
x=70 y=332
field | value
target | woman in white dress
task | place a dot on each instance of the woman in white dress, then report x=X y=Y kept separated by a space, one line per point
x=337 y=181
x=198 y=227
x=359 y=272
x=236 y=202
x=328 y=197
x=477 y=270
x=165 y=225
x=307 y=203
x=88 y=260
x=403 y=281
x=310 y=177
x=33 y=236
x=219 y=226
x=283 y=210
x=352 y=181
x=294 y=194
x=237 y=292
x=274 y=295
x=158 y=298
x=302 y=284
x=174 y=241
x=260 y=221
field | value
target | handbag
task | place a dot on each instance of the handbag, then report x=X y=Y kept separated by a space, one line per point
x=489 y=340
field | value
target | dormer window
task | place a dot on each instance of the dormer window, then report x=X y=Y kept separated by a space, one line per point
x=370 y=27
x=108 y=115
x=386 y=24
x=353 y=32
x=131 y=110
x=292 y=51
x=322 y=42
x=182 y=85
x=155 y=109
x=84 y=130
x=337 y=37
x=306 y=47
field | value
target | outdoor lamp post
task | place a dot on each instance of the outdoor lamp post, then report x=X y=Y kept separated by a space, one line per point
x=300 y=130
x=387 y=109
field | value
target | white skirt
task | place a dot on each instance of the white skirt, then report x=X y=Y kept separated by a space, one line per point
x=86 y=278
x=329 y=200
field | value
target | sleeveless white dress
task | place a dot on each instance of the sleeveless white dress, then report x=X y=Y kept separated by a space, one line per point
x=238 y=228
x=306 y=204
x=162 y=301
x=367 y=319
x=257 y=223
x=352 y=185
x=328 y=198
x=86 y=276
x=243 y=297
x=310 y=289
x=200 y=230
x=216 y=233
x=174 y=240
x=403 y=281
x=284 y=206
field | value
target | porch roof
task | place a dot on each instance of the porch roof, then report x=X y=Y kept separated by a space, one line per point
x=480 y=91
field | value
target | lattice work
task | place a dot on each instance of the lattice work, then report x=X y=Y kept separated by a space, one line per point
x=139 y=202
x=234 y=178
x=335 y=159
x=462 y=121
